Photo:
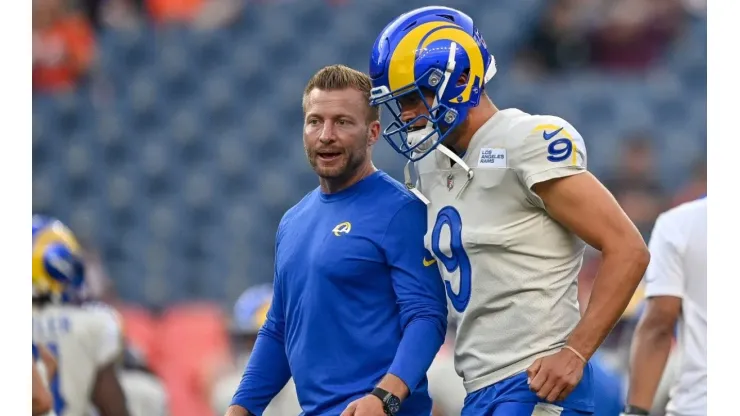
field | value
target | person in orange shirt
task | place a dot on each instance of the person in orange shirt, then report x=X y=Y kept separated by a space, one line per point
x=198 y=14
x=174 y=10
x=63 y=46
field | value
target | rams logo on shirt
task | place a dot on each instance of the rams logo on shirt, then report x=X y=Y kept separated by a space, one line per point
x=342 y=228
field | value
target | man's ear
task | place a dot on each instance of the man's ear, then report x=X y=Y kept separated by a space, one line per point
x=373 y=132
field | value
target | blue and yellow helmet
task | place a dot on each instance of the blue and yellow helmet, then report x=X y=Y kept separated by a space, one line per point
x=429 y=48
x=56 y=259
x=250 y=310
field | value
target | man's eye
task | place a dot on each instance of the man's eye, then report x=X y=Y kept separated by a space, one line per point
x=409 y=101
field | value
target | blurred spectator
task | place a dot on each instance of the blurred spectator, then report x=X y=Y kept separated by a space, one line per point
x=635 y=33
x=201 y=14
x=558 y=41
x=697 y=186
x=636 y=167
x=250 y=313
x=697 y=8
x=614 y=35
x=116 y=14
x=63 y=46
x=642 y=206
x=635 y=183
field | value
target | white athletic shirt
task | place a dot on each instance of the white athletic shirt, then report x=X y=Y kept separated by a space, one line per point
x=678 y=267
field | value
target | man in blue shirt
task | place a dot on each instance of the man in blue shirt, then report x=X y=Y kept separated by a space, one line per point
x=359 y=308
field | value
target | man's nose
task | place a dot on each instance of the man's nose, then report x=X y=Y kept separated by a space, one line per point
x=327 y=133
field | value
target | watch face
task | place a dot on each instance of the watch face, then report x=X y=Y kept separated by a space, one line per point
x=394 y=405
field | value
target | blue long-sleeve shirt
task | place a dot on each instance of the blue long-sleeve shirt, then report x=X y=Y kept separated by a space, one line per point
x=353 y=300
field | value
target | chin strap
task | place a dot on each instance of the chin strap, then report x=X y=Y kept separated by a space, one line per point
x=410 y=184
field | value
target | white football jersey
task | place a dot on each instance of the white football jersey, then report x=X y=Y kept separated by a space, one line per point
x=678 y=267
x=145 y=393
x=84 y=340
x=510 y=270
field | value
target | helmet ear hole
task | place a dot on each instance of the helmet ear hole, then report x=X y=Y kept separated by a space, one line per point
x=464 y=77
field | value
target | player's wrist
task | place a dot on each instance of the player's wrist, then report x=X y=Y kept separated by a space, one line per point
x=574 y=351
x=391 y=402
x=394 y=385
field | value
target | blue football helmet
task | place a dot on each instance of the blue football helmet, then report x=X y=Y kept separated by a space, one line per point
x=429 y=48
x=56 y=259
x=250 y=310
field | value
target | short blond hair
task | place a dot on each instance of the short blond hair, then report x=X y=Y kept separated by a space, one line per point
x=339 y=77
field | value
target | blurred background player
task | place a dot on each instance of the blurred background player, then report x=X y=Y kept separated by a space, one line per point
x=250 y=313
x=144 y=390
x=42 y=403
x=85 y=340
x=676 y=291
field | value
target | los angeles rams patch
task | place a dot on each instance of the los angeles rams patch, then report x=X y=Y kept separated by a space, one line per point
x=492 y=158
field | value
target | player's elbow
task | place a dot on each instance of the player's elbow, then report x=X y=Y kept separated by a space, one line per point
x=629 y=250
x=639 y=255
x=656 y=333
x=433 y=312
x=438 y=319
x=659 y=319
x=272 y=330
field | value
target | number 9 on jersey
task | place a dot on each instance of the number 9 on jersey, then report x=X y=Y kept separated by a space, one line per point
x=458 y=261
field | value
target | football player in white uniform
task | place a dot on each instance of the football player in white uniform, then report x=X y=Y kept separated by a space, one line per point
x=511 y=207
x=676 y=291
x=85 y=340
x=144 y=391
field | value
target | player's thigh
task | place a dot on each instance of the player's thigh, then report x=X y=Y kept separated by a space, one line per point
x=534 y=409
x=479 y=403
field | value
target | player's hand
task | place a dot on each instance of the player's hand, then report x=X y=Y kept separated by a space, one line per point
x=367 y=406
x=553 y=377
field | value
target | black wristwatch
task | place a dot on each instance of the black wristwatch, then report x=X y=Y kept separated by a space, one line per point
x=391 y=403
x=634 y=410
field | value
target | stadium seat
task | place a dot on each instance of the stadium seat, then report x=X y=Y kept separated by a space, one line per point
x=140 y=330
